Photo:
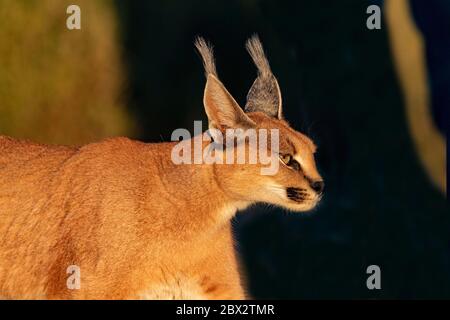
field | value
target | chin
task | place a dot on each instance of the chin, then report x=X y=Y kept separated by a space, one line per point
x=284 y=202
x=303 y=206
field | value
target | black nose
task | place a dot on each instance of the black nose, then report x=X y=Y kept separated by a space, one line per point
x=318 y=186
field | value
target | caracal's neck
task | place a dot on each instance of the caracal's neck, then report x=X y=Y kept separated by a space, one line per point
x=191 y=193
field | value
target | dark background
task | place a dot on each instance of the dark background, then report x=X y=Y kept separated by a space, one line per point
x=339 y=87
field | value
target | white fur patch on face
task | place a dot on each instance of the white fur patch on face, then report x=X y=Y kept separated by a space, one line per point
x=277 y=189
x=299 y=160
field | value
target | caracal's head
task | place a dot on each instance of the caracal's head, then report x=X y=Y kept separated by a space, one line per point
x=290 y=178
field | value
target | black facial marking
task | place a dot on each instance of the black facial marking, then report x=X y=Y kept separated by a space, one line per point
x=296 y=194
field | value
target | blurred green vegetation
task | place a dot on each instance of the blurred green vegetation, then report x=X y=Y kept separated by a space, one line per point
x=59 y=85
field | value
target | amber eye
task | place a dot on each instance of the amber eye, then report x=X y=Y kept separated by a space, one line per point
x=290 y=162
x=286 y=158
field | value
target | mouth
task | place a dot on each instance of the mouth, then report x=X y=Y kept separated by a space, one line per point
x=293 y=198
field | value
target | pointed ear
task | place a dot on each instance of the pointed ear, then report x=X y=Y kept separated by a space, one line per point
x=265 y=93
x=222 y=110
